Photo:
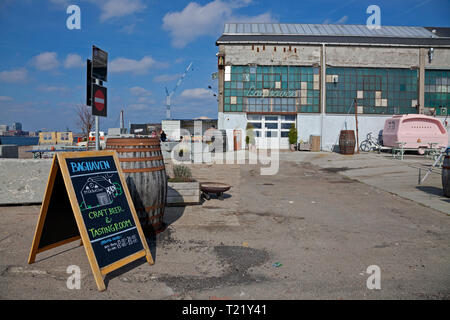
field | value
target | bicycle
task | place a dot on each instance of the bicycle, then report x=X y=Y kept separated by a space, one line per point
x=369 y=144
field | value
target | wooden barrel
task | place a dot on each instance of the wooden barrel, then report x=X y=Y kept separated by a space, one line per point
x=347 y=142
x=446 y=176
x=143 y=166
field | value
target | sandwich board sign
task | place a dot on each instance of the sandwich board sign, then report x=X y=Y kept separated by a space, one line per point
x=87 y=198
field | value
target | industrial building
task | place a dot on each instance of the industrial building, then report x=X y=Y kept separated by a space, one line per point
x=174 y=129
x=275 y=75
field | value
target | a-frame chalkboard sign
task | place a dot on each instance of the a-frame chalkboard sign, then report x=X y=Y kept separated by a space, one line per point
x=87 y=198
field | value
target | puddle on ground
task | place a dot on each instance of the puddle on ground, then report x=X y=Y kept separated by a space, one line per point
x=238 y=261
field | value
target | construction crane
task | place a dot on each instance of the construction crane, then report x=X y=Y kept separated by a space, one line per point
x=169 y=95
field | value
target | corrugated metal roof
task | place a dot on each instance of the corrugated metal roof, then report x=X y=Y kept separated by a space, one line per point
x=347 y=30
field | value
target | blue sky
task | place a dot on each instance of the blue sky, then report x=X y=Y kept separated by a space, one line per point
x=150 y=44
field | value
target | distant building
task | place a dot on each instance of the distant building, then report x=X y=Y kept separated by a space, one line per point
x=173 y=128
x=16 y=126
x=144 y=128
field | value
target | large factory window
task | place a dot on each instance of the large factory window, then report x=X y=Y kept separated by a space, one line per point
x=275 y=89
x=437 y=91
x=378 y=91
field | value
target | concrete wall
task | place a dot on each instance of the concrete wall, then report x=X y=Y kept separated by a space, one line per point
x=246 y=54
x=376 y=57
x=441 y=59
x=339 y=56
x=311 y=124
x=333 y=124
x=328 y=126
x=308 y=124
x=231 y=121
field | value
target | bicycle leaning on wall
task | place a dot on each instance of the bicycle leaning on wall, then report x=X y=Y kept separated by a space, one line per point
x=369 y=144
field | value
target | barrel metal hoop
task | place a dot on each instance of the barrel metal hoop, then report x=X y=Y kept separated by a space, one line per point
x=157 y=206
x=144 y=169
x=125 y=150
x=113 y=145
x=155 y=217
x=133 y=142
x=141 y=159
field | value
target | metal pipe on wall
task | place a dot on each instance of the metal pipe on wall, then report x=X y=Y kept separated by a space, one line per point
x=322 y=90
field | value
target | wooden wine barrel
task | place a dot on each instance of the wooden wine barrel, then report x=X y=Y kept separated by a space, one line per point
x=446 y=176
x=142 y=163
x=347 y=142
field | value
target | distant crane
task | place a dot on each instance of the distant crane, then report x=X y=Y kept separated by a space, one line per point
x=169 y=95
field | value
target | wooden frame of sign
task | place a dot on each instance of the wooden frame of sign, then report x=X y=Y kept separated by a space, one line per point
x=84 y=190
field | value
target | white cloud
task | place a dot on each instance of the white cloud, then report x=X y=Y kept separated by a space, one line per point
x=146 y=100
x=342 y=20
x=60 y=2
x=109 y=9
x=5 y=98
x=17 y=75
x=138 y=107
x=73 y=60
x=197 y=94
x=128 y=29
x=45 y=61
x=54 y=89
x=166 y=77
x=139 y=91
x=118 y=8
x=196 y=20
x=120 y=65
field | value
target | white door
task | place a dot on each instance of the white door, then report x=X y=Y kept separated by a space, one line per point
x=272 y=131
x=256 y=120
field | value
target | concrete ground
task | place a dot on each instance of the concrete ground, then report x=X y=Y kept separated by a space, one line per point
x=309 y=232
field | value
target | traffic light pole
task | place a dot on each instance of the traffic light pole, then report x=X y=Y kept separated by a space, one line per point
x=97 y=134
x=97 y=143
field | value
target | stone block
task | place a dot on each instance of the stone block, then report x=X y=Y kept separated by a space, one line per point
x=9 y=151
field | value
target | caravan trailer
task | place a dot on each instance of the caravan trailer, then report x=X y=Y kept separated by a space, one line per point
x=416 y=131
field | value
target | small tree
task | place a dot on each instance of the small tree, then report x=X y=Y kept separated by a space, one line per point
x=85 y=119
x=292 y=134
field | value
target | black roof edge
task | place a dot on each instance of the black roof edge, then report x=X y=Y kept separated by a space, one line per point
x=334 y=39
x=443 y=32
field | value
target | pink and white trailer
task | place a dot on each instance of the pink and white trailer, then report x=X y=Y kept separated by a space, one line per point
x=414 y=131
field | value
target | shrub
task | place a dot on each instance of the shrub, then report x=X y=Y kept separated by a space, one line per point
x=181 y=174
x=292 y=135
x=250 y=135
